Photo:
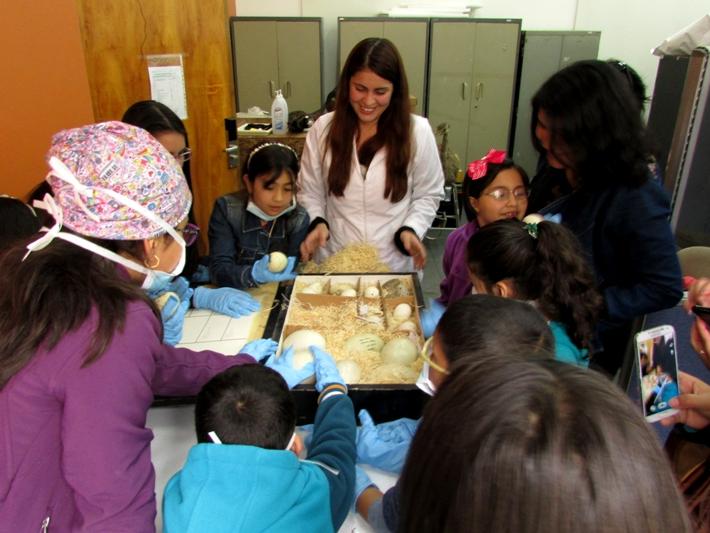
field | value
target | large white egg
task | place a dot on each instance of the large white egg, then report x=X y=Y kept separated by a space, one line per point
x=339 y=288
x=390 y=373
x=301 y=358
x=400 y=351
x=371 y=292
x=407 y=325
x=302 y=339
x=402 y=312
x=349 y=371
x=313 y=288
x=350 y=293
x=277 y=261
x=364 y=342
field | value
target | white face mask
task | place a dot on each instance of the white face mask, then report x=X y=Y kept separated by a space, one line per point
x=153 y=279
x=257 y=212
x=214 y=438
x=423 y=381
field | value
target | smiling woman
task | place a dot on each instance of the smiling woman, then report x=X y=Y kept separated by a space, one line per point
x=371 y=170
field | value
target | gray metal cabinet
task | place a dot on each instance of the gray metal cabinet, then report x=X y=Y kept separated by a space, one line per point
x=409 y=35
x=277 y=53
x=472 y=75
x=542 y=54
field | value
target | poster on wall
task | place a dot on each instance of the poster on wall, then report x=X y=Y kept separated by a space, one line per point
x=167 y=82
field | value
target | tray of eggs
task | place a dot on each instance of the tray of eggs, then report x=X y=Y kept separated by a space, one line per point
x=368 y=323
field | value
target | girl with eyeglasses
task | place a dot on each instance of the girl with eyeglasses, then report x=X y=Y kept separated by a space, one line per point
x=494 y=188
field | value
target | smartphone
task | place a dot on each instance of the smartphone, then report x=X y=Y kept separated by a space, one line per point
x=703 y=313
x=658 y=371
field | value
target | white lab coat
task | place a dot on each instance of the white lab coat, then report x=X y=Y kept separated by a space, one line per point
x=363 y=214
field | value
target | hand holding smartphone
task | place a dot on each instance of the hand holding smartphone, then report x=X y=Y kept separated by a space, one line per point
x=658 y=371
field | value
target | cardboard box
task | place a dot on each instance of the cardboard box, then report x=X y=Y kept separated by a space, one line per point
x=349 y=314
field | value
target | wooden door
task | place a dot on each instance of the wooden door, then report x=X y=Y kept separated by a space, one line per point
x=493 y=87
x=254 y=46
x=450 y=72
x=119 y=34
x=299 y=58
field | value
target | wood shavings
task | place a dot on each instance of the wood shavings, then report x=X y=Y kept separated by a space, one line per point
x=358 y=257
x=339 y=322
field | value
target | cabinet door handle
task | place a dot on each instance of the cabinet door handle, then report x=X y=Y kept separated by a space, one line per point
x=464 y=90
x=271 y=88
x=288 y=88
x=478 y=92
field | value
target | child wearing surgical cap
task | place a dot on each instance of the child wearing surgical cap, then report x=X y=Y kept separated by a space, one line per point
x=81 y=351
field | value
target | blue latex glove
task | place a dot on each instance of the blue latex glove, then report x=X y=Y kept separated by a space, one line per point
x=430 y=317
x=179 y=286
x=284 y=366
x=260 y=348
x=261 y=274
x=362 y=481
x=385 y=445
x=326 y=371
x=225 y=300
x=173 y=316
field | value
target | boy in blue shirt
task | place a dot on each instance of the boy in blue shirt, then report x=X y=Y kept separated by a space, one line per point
x=245 y=475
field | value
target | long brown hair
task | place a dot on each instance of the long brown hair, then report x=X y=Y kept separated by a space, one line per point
x=508 y=444
x=52 y=292
x=393 y=128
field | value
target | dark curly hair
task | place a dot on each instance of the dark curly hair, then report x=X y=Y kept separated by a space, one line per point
x=549 y=269
x=595 y=126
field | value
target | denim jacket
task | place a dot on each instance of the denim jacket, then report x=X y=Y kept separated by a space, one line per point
x=238 y=240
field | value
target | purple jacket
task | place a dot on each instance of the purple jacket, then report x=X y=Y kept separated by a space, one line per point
x=73 y=442
x=456 y=283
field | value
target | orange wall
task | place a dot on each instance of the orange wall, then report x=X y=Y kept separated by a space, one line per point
x=43 y=87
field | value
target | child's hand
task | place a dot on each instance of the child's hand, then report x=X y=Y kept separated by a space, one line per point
x=260 y=348
x=314 y=240
x=414 y=248
x=261 y=273
x=326 y=371
x=284 y=366
x=173 y=316
x=693 y=403
x=385 y=445
x=228 y=301
x=430 y=317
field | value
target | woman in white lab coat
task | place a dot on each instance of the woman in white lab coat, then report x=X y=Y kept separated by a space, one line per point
x=370 y=170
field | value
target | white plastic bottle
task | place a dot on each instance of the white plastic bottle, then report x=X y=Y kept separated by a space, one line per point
x=279 y=114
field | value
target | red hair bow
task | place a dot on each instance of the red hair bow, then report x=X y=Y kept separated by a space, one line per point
x=478 y=168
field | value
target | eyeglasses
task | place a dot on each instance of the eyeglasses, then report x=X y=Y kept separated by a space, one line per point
x=190 y=233
x=427 y=351
x=183 y=155
x=503 y=194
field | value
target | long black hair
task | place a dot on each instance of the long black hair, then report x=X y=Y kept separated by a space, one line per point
x=480 y=323
x=548 y=268
x=527 y=446
x=595 y=127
